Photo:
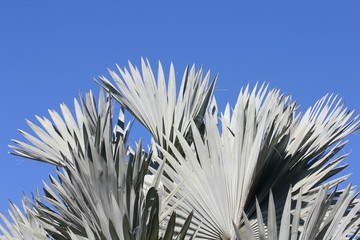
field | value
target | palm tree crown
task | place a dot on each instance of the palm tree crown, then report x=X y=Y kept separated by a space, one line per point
x=259 y=170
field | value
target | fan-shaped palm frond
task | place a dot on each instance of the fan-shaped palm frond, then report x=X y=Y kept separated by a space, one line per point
x=158 y=108
x=54 y=143
x=263 y=145
x=99 y=194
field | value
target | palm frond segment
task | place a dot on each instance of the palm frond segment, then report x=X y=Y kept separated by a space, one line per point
x=328 y=216
x=23 y=226
x=156 y=105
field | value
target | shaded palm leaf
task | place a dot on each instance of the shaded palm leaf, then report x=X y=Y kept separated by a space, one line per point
x=99 y=192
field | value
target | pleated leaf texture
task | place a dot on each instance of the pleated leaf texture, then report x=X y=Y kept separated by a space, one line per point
x=258 y=170
x=98 y=192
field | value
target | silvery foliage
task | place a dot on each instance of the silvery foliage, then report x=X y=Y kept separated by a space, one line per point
x=223 y=173
x=98 y=192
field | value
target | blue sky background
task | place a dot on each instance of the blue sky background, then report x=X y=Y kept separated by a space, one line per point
x=50 y=51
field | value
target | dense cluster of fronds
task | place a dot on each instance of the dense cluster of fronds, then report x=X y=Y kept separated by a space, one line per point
x=259 y=170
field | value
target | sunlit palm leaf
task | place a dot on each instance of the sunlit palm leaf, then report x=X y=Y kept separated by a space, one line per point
x=262 y=145
x=322 y=220
x=23 y=227
x=156 y=106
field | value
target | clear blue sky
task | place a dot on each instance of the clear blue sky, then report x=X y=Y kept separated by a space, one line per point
x=51 y=50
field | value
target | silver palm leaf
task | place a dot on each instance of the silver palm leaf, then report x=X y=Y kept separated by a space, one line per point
x=159 y=108
x=99 y=192
x=263 y=146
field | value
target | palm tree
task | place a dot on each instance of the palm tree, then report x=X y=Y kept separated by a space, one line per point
x=259 y=170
